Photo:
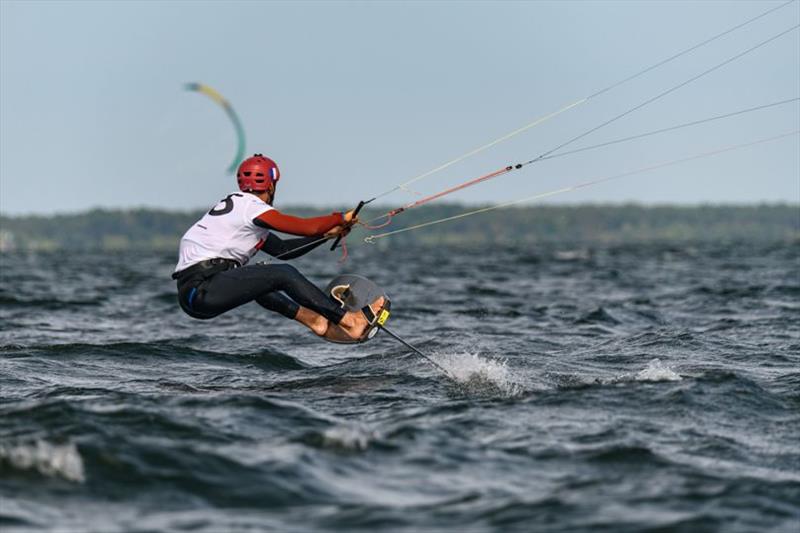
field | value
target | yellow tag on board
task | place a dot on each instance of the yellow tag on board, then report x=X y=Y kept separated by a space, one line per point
x=383 y=317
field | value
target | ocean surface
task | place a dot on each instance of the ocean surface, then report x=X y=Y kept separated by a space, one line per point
x=590 y=388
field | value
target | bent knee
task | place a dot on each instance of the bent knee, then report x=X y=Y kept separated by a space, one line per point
x=284 y=269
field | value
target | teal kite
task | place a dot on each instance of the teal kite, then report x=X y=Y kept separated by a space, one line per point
x=218 y=98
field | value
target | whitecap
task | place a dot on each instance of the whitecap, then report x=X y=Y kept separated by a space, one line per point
x=51 y=460
x=348 y=437
x=657 y=371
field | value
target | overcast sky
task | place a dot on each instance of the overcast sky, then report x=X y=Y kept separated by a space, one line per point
x=351 y=98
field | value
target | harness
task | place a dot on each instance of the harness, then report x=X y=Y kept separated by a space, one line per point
x=197 y=274
x=217 y=264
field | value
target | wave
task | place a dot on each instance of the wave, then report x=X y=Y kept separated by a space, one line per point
x=784 y=290
x=487 y=290
x=268 y=359
x=789 y=385
x=170 y=298
x=627 y=454
x=599 y=315
x=337 y=383
x=654 y=371
x=665 y=337
x=50 y=460
x=657 y=371
x=730 y=292
x=49 y=304
x=345 y=438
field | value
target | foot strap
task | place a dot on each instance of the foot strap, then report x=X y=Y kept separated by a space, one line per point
x=340 y=293
x=373 y=319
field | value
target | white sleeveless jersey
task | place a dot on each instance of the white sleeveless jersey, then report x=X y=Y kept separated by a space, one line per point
x=226 y=231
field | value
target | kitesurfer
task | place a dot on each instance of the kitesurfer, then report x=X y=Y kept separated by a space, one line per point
x=211 y=274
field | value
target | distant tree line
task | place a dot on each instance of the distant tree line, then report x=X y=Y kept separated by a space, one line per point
x=158 y=229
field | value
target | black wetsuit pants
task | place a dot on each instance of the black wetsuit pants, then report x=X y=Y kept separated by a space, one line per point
x=207 y=292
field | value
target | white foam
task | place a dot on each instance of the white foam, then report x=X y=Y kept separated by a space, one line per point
x=477 y=374
x=657 y=371
x=572 y=255
x=348 y=437
x=52 y=460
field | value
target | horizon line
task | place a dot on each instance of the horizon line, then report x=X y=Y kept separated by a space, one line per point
x=646 y=205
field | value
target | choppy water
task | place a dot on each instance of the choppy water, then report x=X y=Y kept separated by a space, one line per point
x=640 y=388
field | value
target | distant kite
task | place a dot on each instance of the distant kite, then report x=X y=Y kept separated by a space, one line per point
x=218 y=98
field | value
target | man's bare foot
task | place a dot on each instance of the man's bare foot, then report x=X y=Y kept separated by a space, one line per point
x=355 y=324
x=313 y=321
x=336 y=333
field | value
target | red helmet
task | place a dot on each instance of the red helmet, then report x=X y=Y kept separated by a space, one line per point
x=257 y=174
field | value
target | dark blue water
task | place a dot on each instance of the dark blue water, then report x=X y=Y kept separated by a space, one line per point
x=632 y=388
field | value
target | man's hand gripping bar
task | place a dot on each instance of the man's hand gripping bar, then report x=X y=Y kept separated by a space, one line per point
x=355 y=213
